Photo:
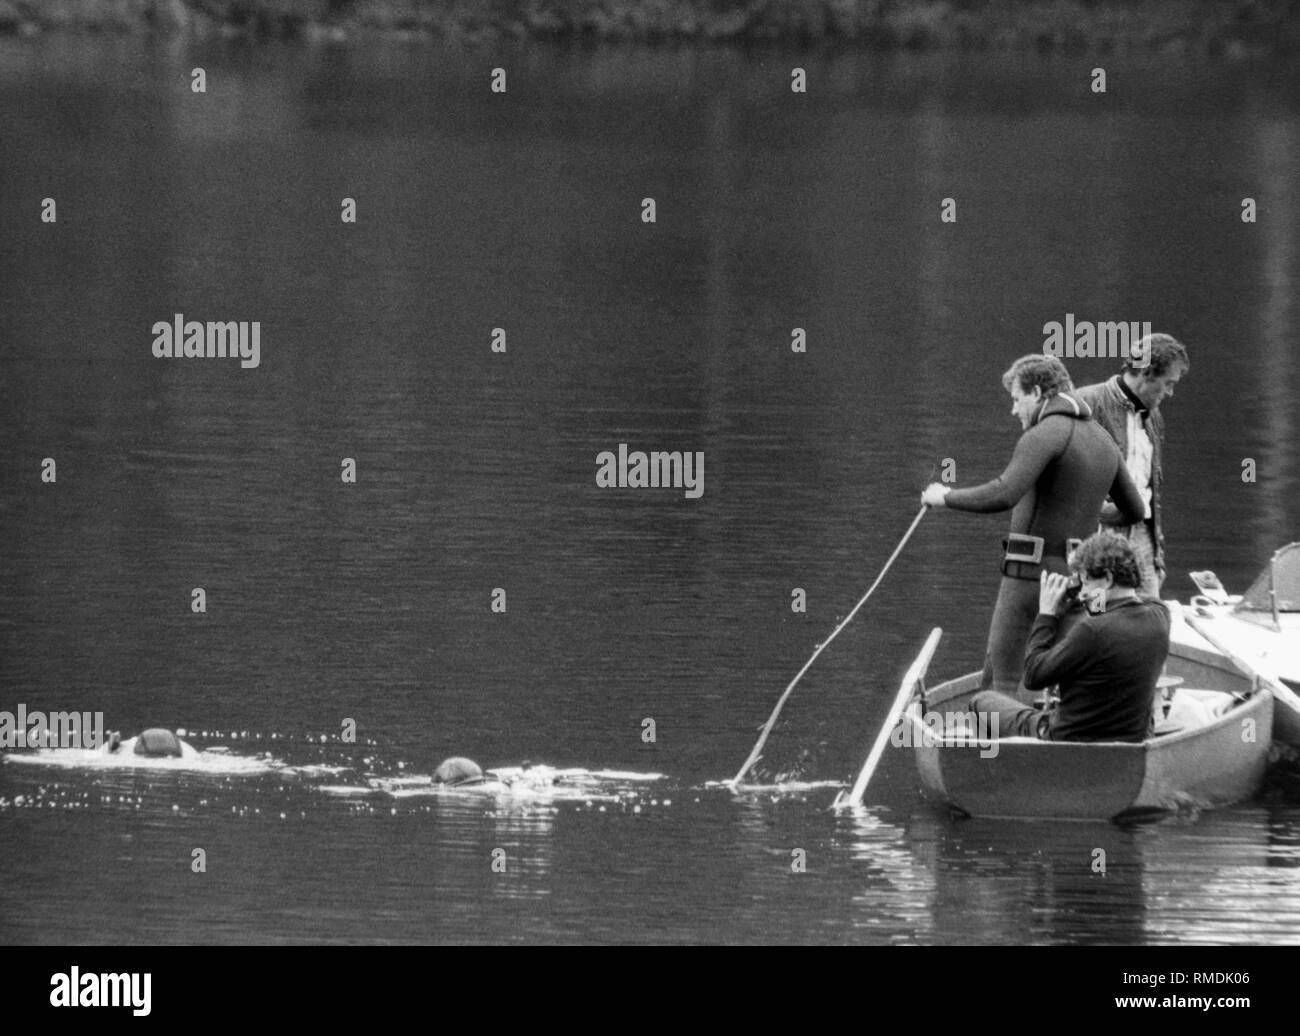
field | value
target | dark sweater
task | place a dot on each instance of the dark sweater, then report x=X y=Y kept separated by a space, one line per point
x=1106 y=666
x=1063 y=467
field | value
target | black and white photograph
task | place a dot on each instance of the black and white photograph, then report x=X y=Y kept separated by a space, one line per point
x=626 y=473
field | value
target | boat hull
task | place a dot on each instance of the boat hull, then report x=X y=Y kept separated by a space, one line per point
x=1212 y=765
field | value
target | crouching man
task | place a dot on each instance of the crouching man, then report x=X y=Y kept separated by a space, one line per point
x=1105 y=665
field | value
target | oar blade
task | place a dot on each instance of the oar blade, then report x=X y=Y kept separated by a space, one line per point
x=915 y=674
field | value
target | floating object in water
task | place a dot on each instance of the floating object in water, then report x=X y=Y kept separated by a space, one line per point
x=457 y=770
x=125 y=757
x=157 y=743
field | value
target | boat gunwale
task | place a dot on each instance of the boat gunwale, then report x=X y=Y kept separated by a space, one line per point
x=1233 y=714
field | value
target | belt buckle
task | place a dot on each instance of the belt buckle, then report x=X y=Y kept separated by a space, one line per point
x=1014 y=548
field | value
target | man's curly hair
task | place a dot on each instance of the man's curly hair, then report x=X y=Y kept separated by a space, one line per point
x=1047 y=372
x=1105 y=552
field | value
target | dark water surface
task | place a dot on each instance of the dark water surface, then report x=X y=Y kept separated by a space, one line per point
x=476 y=470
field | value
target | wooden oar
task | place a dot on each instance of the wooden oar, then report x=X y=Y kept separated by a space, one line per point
x=915 y=674
x=1276 y=687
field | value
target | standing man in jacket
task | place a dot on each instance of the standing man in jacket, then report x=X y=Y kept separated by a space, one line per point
x=1062 y=469
x=1128 y=406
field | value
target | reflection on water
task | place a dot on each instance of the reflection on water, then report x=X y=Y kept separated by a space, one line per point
x=1283 y=840
x=893 y=899
x=330 y=601
x=1032 y=883
x=1234 y=894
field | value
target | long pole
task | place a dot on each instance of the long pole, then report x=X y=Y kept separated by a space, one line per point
x=771 y=720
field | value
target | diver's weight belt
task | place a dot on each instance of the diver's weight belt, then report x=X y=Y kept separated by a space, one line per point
x=1023 y=554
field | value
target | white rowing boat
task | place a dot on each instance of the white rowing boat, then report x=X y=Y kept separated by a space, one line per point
x=1211 y=750
x=1212 y=731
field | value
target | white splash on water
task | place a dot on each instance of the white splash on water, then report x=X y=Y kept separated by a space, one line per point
x=510 y=782
x=190 y=761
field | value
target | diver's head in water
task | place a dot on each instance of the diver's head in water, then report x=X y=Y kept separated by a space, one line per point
x=158 y=743
x=457 y=770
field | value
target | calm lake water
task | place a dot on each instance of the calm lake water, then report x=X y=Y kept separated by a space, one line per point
x=371 y=601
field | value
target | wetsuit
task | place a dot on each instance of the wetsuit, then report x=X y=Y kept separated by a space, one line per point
x=1061 y=472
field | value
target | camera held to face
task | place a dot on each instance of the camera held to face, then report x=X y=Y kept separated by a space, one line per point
x=1073 y=587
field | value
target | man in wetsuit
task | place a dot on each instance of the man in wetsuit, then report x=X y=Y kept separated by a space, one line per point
x=1106 y=665
x=1128 y=406
x=1063 y=467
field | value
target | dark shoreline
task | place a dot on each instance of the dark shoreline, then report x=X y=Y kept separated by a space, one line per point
x=1231 y=28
